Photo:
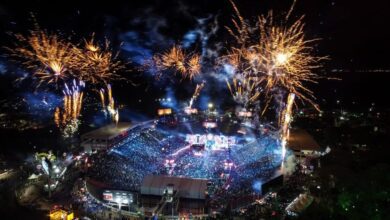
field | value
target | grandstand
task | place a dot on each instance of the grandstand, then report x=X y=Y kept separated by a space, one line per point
x=105 y=137
x=138 y=164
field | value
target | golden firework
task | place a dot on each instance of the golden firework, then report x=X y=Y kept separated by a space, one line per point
x=98 y=65
x=275 y=56
x=50 y=57
x=243 y=91
x=54 y=59
x=188 y=66
x=194 y=66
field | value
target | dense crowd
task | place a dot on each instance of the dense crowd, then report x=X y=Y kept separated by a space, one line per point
x=125 y=166
x=144 y=152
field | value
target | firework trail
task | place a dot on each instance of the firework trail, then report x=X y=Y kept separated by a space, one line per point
x=109 y=108
x=286 y=118
x=197 y=91
x=102 y=98
x=116 y=117
x=67 y=119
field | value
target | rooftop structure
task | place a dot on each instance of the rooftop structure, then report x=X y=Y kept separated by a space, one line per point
x=302 y=143
x=188 y=188
x=105 y=137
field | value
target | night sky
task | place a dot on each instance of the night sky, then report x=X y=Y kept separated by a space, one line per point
x=355 y=34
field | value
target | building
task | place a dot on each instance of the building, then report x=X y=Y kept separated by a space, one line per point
x=303 y=144
x=299 y=204
x=169 y=195
x=105 y=137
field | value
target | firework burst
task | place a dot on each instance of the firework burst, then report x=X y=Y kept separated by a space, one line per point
x=275 y=59
x=98 y=65
x=50 y=57
x=274 y=56
x=175 y=59
x=55 y=60
x=194 y=66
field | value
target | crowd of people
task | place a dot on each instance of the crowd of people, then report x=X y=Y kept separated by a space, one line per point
x=145 y=152
x=141 y=154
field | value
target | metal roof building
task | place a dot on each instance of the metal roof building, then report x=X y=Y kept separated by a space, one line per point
x=104 y=137
x=186 y=187
x=301 y=140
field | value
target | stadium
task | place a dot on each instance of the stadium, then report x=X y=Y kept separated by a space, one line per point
x=202 y=157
